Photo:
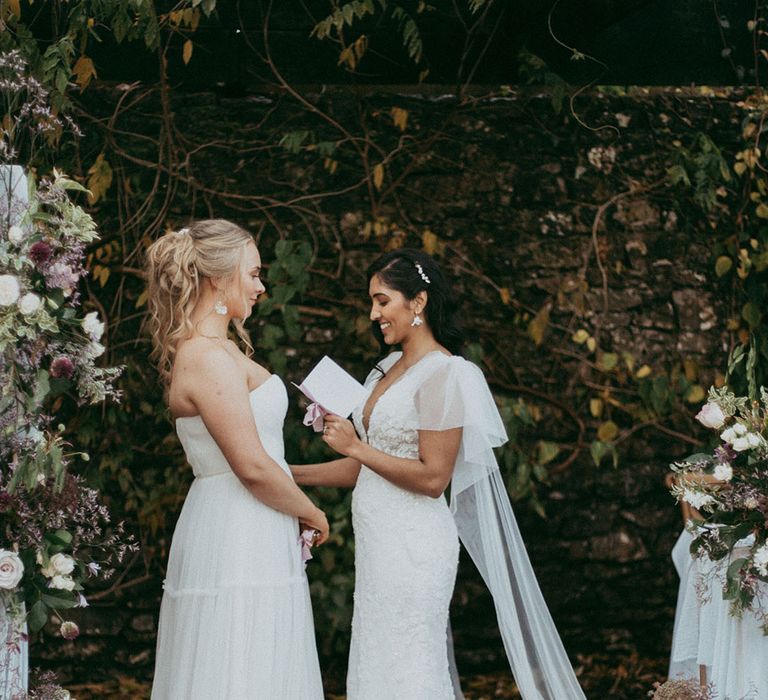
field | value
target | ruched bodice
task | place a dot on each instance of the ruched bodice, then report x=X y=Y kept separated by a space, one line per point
x=269 y=404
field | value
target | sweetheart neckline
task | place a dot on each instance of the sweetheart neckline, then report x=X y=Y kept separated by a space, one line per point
x=250 y=393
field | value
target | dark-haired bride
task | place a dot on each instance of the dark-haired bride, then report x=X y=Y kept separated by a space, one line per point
x=430 y=420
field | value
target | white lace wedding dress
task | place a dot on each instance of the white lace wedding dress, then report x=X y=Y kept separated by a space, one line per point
x=236 y=618
x=406 y=556
x=407 y=547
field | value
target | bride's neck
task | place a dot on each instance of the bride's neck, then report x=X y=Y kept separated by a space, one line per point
x=415 y=348
x=206 y=322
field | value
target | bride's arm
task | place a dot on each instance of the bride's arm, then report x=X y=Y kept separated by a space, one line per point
x=220 y=394
x=340 y=473
x=429 y=475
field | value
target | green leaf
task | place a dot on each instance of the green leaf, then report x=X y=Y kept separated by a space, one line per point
x=598 y=450
x=751 y=314
x=722 y=265
x=61 y=538
x=58 y=602
x=547 y=451
x=37 y=616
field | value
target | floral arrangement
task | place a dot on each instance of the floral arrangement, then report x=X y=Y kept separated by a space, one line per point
x=55 y=534
x=680 y=689
x=729 y=487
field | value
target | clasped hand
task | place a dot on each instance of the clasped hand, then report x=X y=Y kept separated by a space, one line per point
x=339 y=434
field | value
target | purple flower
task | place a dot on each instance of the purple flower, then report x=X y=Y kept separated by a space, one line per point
x=40 y=253
x=62 y=276
x=62 y=368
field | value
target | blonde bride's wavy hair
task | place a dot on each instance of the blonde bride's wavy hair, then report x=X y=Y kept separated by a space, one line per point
x=177 y=263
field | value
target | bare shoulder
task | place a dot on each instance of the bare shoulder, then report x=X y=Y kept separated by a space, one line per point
x=202 y=367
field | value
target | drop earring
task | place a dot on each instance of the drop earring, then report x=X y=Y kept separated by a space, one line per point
x=417 y=321
x=220 y=308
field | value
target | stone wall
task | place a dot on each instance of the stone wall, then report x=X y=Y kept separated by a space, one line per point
x=513 y=187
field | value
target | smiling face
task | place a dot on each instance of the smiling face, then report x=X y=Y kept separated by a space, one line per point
x=246 y=285
x=393 y=312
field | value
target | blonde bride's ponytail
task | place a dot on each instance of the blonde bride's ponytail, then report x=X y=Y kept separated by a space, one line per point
x=177 y=262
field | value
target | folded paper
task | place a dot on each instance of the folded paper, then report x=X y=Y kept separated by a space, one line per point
x=331 y=390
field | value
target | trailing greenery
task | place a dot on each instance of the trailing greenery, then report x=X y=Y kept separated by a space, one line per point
x=323 y=188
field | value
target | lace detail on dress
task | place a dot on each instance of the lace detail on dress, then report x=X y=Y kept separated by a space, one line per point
x=406 y=556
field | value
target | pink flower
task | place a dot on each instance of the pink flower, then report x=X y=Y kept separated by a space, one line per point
x=62 y=368
x=711 y=416
x=69 y=630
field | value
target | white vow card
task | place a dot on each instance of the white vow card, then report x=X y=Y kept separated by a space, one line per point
x=333 y=389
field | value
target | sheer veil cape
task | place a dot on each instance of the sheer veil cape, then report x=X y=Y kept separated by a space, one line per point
x=453 y=393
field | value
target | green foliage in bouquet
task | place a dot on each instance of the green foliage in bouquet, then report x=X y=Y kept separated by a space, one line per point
x=54 y=531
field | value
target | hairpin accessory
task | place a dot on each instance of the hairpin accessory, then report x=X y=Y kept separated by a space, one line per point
x=420 y=270
x=184 y=231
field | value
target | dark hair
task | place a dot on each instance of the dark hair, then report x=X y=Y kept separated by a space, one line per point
x=398 y=270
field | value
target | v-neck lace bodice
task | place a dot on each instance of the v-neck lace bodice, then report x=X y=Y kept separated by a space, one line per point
x=406 y=554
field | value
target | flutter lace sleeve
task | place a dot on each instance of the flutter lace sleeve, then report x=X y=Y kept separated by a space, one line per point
x=454 y=394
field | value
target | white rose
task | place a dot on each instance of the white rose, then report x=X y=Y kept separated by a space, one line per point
x=760 y=560
x=92 y=326
x=11 y=569
x=728 y=435
x=29 y=303
x=711 y=416
x=94 y=350
x=9 y=290
x=740 y=444
x=754 y=439
x=740 y=429
x=723 y=472
x=63 y=563
x=697 y=499
x=59 y=565
x=751 y=503
x=62 y=583
x=16 y=235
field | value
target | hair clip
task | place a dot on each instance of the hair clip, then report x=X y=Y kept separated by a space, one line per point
x=183 y=231
x=420 y=270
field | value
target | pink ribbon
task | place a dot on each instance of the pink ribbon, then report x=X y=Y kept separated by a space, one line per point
x=314 y=416
x=306 y=540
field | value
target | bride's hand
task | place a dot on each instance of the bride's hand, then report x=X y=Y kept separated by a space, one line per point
x=339 y=434
x=318 y=522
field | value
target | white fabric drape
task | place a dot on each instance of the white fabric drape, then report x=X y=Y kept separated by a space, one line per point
x=454 y=394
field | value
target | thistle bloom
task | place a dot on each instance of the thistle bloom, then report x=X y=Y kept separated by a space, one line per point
x=69 y=630
x=62 y=368
x=40 y=253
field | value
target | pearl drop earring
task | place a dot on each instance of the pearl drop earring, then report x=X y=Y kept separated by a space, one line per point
x=220 y=308
x=417 y=321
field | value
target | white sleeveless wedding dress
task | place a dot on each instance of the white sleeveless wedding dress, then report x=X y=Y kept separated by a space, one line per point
x=236 y=617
